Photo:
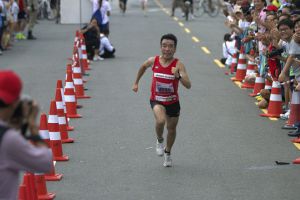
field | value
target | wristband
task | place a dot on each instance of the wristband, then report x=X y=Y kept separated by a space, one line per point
x=179 y=77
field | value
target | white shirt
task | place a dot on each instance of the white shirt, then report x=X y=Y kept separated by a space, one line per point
x=105 y=44
x=104 y=9
x=14 y=11
x=3 y=13
x=95 y=5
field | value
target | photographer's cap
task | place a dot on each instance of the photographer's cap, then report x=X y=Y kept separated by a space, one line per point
x=10 y=86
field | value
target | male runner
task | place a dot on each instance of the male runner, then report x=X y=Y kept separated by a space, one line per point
x=167 y=73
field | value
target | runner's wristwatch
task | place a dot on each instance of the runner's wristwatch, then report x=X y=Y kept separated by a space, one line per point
x=179 y=77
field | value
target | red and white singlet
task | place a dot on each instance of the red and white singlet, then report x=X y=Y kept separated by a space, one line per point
x=164 y=84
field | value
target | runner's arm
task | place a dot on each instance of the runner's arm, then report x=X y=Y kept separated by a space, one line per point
x=148 y=63
x=184 y=76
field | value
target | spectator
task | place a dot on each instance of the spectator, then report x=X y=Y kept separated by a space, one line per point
x=295 y=14
x=32 y=9
x=286 y=28
x=91 y=34
x=17 y=153
x=294 y=55
x=95 y=5
x=228 y=49
x=106 y=49
x=105 y=9
x=2 y=22
x=22 y=16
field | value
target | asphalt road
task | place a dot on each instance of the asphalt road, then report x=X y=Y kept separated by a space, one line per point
x=224 y=150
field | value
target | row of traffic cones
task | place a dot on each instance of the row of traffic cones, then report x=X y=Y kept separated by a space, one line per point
x=275 y=102
x=54 y=129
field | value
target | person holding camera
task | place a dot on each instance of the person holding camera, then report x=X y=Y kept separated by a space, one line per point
x=18 y=150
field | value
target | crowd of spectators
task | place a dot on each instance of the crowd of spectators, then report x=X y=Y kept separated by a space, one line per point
x=272 y=31
x=16 y=16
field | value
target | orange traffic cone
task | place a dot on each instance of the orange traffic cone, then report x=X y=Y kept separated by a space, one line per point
x=52 y=175
x=241 y=67
x=60 y=86
x=275 y=103
x=233 y=63
x=22 y=192
x=43 y=130
x=41 y=187
x=69 y=83
x=62 y=118
x=258 y=86
x=31 y=193
x=250 y=70
x=55 y=137
x=83 y=58
x=71 y=103
x=296 y=161
x=268 y=84
x=294 y=116
x=78 y=83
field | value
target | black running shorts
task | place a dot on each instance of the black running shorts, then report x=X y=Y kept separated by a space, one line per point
x=172 y=110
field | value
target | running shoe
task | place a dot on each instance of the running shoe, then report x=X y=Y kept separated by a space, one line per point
x=168 y=160
x=97 y=58
x=159 y=148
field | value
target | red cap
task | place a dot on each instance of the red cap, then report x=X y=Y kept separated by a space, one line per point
x=10 y=86
x=271 y=8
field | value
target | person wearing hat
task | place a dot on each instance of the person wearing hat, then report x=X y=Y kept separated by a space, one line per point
x=17 y=153
x=295 y=14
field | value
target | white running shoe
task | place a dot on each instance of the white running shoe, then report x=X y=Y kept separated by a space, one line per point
x=168 y=160
x=159 y=148
x=97 y=58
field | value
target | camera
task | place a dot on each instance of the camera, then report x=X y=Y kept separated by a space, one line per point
x=275 y=52
x=22 y=113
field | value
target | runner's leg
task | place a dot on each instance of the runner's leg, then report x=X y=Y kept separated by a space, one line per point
x=160 y=120
x=171 y=127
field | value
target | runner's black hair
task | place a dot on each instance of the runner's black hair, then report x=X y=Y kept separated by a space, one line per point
x=169 y=36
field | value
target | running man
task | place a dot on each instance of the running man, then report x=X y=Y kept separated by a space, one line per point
x=168 y=71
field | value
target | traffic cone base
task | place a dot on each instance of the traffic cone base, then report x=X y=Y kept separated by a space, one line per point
x=70 y=128
x=61 y=158
x=296 y=140
x=296 y=161
x=235 y=79
x=55 y=177
x=48 y=196
x=69 y=140
x=83 y=97
x=248 y=86
x=269 y=115
x=74 y=116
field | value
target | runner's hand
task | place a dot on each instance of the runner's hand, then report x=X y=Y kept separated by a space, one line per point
x=135 y=87
x=175 y=71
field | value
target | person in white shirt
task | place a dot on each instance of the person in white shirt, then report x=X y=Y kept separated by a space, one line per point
x=106 y=49
x=105 y=9
x=228 y=49
x=95 y=5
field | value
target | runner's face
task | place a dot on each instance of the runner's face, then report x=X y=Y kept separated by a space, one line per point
x=167 y=48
